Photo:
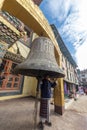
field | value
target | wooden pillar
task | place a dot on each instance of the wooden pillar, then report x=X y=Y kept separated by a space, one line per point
x=59 y=97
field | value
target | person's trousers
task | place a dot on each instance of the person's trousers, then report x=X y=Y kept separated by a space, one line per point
x=45 y=109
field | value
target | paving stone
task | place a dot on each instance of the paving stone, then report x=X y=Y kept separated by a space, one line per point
x=18 y=114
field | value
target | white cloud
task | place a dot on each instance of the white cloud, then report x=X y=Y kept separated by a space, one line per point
x=57 y=9
x=72 y=18
x=81 y=54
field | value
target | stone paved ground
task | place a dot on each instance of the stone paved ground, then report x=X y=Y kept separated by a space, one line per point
x=18 y=114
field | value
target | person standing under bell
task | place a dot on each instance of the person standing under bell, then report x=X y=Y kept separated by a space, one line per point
x=46 y=85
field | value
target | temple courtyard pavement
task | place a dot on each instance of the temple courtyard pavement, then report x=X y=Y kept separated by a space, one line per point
x=18 y=114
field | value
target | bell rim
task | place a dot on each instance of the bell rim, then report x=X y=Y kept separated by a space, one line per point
x=39 y=73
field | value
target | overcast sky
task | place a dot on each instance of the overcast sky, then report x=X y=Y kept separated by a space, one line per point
x=70 y=17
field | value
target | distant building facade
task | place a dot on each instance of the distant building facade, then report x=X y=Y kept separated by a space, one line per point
x=83 y=78
x=68 y=64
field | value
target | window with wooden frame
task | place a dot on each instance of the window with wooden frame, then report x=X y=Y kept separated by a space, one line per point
x=11 y=80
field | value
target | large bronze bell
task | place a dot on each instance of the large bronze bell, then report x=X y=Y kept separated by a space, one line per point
x=41 y=60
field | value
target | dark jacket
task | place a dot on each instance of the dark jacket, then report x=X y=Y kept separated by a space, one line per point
x=46 y=88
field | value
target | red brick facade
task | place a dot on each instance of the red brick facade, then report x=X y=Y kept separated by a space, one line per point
x=37 y=2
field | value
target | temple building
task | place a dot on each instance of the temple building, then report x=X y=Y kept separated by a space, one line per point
x=21 y=21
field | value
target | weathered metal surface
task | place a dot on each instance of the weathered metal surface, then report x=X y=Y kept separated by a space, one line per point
x=41 y=60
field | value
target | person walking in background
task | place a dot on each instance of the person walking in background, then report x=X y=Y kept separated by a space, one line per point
x=46 y=85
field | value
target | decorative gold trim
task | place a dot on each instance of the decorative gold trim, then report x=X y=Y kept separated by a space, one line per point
x=14 y=57
x=9 y=25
